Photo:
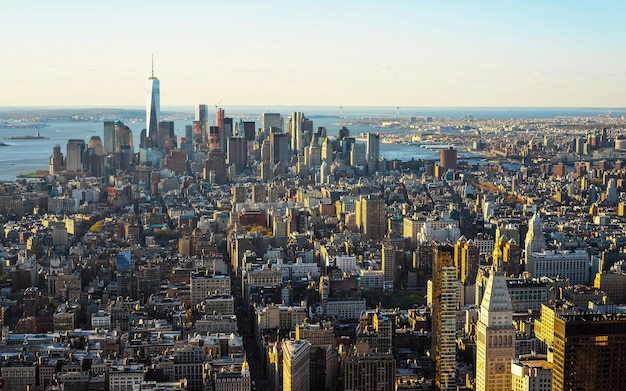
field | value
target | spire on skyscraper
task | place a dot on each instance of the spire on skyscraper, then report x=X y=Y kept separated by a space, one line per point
x=153 y=104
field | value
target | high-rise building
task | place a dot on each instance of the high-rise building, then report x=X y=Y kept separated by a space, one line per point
x=357 y=155
x=373 y=152
x=166 y=139
x=271 y=120
x=202 y=113
x=238 y=153
x=447 y=158
x=466 y=260
x=296 y=132
x=327 y=150
x=371 y=215
x=214 y=138
x=75 y=155
x=215 y=169
x=495 y=340
x=296 y=365
x=366 y=369
x=391 y=259
x=153 y=105
x=126 y=284
x=227 y=133
x=313 y=156
x=109 y=137
x=219 y=122
x=613 y=284
x=512 y=258
x=612 y=195
x=588 y=349
x=248 y=130
x=199 y=132
x=95 y=143
x=535 y=240
x=444 y=308
x=57 y=163
x=124 y=136
x=279 y=146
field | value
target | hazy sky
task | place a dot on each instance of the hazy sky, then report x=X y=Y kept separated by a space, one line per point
x=383 y=53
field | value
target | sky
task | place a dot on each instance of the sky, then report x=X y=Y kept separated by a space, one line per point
x=325 y=53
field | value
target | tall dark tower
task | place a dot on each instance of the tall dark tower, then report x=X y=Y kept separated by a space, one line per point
x=588 y=349
x=447 y=158
x=153 y=104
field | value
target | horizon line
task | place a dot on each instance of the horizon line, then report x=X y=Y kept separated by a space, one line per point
x=394 y=107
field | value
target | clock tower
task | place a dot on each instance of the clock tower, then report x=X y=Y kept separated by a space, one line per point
x=495 y=341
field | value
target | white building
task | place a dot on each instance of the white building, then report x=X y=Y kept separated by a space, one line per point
x=124 y=377
x=570 y=264
x=371 y=279
x=431 y=231
x=101 y=320
x=346 y=263
x=535 y=239
x=345 y=309
x=299 y=269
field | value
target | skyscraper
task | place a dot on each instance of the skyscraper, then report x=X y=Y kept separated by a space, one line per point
x=535 y=240
x=124 y=136
x=327 y=150
x=495 y=341
x=373 y=152
x=466 y=260
x=589 y=349
x=166 y=138
x=371 y=217
x=219 y=122
x=391 y=259
x=214 y=138
x=279 y=144
x=57 y=163
x=215 y=169
x=201 y=124
x=296 y=132
x=237 y=153
x=447 y=158
x=271 y=120
x=109 y=137
x=296 y=365
x=202 y=113
x=228 y=132
x=95 y=143
x=445 y=302
x=75 y=155
x=153 y=104
x=248 y=130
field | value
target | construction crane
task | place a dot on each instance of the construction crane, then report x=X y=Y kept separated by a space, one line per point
x=218 y=103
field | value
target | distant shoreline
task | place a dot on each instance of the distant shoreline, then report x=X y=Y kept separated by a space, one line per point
x=28 y=114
